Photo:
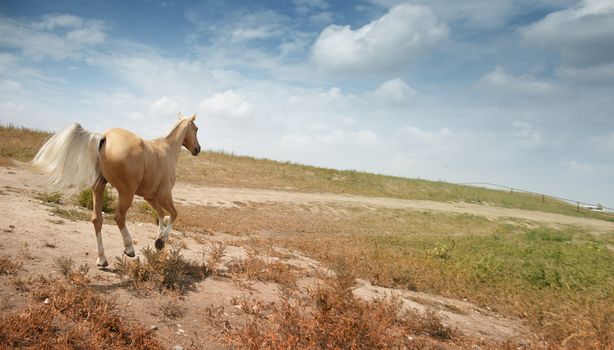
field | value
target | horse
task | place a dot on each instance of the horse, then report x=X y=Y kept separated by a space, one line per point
x=75 y=159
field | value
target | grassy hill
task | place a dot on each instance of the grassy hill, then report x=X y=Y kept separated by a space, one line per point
x=545 y=275
x=228 y=170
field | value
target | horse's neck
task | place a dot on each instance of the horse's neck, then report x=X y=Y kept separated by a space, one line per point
x=174 y=140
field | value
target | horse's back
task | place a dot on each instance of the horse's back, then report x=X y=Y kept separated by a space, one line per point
x=122 y=160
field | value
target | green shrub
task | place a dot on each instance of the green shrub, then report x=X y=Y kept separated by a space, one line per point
x=86 y=201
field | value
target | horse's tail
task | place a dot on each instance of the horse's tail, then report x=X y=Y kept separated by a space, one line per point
x=70 y=158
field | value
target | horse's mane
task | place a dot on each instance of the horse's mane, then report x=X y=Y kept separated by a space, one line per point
x=176 y=126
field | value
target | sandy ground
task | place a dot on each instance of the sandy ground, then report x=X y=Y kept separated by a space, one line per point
x=31 y=234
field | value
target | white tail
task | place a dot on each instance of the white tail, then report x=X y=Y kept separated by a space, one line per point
x=70 y=157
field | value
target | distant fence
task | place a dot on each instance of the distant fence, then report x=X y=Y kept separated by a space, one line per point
x=578 y=204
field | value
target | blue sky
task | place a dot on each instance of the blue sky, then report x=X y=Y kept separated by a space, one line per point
x=515 y=92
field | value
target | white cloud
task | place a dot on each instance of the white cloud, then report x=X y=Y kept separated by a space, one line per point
x=395 y=91
x=582 y=33
x=395 y=39
x=164 y=107
x=502 y=81
x=56 y=36
x=227 y=104
x=53 y=21
x=480 y=13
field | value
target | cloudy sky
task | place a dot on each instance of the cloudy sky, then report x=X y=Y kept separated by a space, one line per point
x=515 y=92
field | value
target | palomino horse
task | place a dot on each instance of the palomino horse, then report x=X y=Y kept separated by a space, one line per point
x=76 y=158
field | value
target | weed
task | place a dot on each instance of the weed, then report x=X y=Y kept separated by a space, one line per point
x=215 y=256
x=50 y=198
x=8 y=266
x=22 y=285
x=85 y=200
x=70 y=214
x=172 y=309
x=77 y=276
x=25 y=252
x=161 y=270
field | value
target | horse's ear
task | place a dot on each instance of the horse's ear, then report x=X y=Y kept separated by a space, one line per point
x=179 y=116
x=193 y=117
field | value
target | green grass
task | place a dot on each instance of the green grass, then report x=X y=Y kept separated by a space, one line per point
x=85 y=200
x=545 y=276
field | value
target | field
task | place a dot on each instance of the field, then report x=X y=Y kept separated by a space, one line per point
x=286 y=256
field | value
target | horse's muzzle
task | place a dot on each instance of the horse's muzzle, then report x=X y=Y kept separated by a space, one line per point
x=196 y=151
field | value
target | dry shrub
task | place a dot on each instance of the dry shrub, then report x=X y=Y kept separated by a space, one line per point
x=161 y=270
x=8 y=266
x=218 y=250
x=74 y=275
x=74 y=317
x=172 y=309
x=256 y=268
x=332 y=318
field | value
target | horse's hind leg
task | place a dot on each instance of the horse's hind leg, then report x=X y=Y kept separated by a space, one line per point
x=167 y=203
x=124 y=203
x=97 y=199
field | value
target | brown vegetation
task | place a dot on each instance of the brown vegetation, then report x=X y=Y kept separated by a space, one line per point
x=69 y=316
x=332 y=318
x=160 y=270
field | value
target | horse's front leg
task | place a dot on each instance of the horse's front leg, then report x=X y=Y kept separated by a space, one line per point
x=166 y=224
x=162 y=221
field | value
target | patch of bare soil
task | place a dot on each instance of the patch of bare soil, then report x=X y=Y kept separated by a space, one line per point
x=242 y=282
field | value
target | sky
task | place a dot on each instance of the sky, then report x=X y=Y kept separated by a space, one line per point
x=513 y=92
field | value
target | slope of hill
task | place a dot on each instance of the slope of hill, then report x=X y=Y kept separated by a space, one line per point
x=285 y=256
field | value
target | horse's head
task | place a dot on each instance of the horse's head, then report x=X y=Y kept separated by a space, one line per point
x=190 y=141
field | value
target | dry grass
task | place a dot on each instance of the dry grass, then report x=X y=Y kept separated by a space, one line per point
x=332 y=318
x=64 y=316
x=77 y=276
x=19 y=143
x=8 y=266
x=214 y=258
x=161 y=270
x=172 y=309
x=256 y=268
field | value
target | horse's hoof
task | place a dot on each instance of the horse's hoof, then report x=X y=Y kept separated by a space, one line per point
x=159 y=244
x=102 y=264
x=130 y=255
